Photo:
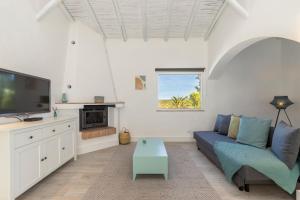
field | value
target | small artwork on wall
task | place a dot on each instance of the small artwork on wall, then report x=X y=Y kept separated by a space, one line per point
x=140 y=82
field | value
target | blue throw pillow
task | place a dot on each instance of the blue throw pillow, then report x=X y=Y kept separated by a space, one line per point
x=286 y=143
x=254 y=131
x=222 y=124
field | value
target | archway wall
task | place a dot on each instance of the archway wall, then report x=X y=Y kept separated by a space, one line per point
x=233 y=33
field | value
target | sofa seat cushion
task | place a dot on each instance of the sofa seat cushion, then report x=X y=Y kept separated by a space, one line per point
x=247 y=175
x=205 y=142
x=211 y=137
x=234 y=156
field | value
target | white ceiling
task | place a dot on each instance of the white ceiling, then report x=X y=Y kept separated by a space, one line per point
x=146 y=18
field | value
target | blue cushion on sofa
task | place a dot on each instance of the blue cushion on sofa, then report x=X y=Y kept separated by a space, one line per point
x=286 y=143
x=254 y=131
x=222 y=124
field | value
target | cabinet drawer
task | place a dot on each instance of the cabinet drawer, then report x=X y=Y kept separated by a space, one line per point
x=51 y=130
x=27 y=137
x=59 y=128
x=67 y=126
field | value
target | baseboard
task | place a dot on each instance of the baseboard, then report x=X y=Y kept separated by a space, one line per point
x=166 y=138
x=87 y=148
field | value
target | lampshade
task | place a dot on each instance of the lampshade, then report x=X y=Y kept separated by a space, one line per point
x=281 y=102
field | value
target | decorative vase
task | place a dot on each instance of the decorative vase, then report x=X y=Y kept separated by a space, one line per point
x=64 y=98
x=54 y=112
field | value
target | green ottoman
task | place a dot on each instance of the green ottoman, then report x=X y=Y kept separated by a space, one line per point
x=150 y=158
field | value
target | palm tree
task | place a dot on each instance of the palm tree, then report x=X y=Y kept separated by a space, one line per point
x=179 y=102
x=195 y=99
x=198 y=86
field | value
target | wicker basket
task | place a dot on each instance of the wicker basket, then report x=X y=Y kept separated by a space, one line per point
x=124 y=136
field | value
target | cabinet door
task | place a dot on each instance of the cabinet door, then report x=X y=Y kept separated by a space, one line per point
x=27 y=167
x=66 y=146
x=50 y=155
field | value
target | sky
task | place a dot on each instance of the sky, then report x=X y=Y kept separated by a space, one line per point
x=176 y=85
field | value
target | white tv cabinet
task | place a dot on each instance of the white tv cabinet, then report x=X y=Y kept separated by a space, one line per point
x=29 y=151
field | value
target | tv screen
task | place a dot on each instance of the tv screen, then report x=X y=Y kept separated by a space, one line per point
x=21 y=93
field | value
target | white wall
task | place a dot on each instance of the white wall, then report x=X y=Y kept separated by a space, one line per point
x=87 y=70
x=250 y=81
x=247 y=86
x=136 y=57
x=86 y=66
x=290 y=76
x=267 y=18
x=32 y=47
x=266 y=69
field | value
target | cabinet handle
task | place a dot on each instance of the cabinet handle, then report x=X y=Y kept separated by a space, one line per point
x=69 y=126
x=53 y=130
x=42 y=159
x=31 y=137
x=45 y=158
x=63 y=148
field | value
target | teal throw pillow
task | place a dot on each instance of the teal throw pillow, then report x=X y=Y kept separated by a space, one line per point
x=254 y=131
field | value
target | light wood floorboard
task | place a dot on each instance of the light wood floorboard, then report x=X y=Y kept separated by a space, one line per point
x=73 y=180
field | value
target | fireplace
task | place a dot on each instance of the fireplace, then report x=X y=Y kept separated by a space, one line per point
x=93 y=116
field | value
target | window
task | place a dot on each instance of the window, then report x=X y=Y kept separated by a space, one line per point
x=180 y=89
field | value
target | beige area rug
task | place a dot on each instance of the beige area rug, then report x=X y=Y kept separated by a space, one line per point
x=185 y=179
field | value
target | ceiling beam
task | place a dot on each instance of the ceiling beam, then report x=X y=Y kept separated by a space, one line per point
x=145 y=20
x=235 y=5
x=50 y=6
x=189 y=26
x=216 y=19
x=238 y=7
x=66 y=12
x=94 y=17
x=47 y=8
x=169 y=17
x=120 y=19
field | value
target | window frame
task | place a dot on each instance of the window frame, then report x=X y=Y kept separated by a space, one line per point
x=201 y=75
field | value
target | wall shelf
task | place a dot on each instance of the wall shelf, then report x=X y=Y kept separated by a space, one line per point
x=80 y=105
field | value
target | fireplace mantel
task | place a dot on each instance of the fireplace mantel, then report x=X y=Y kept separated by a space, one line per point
x=80 y=105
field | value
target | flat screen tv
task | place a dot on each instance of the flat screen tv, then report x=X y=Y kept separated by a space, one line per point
x=23 y=94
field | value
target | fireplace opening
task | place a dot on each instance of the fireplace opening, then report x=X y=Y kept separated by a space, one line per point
x=93 y=116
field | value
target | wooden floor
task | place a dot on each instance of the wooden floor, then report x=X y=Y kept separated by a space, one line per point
x=72 y=181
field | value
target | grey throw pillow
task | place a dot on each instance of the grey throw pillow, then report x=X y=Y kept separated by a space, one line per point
x=222 y=124
x=286 y=143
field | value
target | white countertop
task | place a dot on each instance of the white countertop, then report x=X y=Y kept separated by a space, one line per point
x=22 y=125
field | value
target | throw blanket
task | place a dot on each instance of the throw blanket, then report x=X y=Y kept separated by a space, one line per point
x=233 y=156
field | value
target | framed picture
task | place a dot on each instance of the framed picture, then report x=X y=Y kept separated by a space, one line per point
x=140 y=82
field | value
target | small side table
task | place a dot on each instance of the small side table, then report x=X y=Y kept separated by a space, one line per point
x=150 y=157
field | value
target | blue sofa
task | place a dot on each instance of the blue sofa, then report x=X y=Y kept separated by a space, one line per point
x=246 y=176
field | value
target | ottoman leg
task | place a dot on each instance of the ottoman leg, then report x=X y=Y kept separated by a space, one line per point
x=166 y=176
x=247 y=187
x=134 y=176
